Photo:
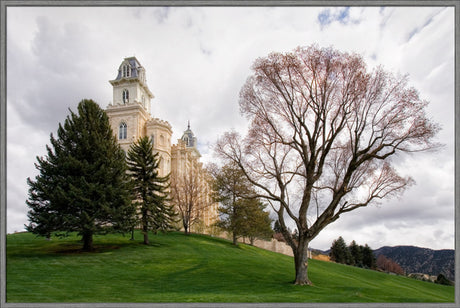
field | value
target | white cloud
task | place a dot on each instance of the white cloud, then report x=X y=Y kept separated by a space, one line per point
x=197 y=59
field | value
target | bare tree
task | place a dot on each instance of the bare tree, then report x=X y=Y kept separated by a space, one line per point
x=322 y=133
x=190 y=192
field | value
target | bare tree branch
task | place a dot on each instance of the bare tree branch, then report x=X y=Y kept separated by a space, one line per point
x=321 y=131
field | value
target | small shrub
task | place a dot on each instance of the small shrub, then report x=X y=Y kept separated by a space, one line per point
x=443 y=280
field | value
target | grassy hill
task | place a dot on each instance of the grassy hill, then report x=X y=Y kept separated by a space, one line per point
x=195 y=268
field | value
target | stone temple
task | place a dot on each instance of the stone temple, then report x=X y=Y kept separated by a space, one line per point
x=130 y=118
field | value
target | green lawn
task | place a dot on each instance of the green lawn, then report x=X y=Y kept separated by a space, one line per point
x=178 y=268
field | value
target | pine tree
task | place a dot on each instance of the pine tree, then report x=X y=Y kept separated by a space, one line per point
x=255 y=223
x=356 y=254
x=229 y=186
x=339 y=251
x=441 y=279
x=82 y=184
x=369 y=260
x=150 y=190
x=277 y=227
x=232 y=190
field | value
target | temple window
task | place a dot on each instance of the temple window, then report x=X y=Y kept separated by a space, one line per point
x=126 y=70
x=125 y=96
x=123 y=131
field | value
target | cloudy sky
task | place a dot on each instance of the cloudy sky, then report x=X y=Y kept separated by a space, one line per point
x=197 y=59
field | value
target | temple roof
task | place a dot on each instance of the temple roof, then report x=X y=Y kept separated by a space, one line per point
x=135 y=66
x=189 y=137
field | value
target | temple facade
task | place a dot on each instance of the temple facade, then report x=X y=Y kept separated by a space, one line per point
x=130 y=118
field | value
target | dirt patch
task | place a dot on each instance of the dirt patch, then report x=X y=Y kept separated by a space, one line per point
x=322 y=258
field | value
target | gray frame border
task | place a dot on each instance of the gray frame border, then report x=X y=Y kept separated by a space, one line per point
x=4 y=4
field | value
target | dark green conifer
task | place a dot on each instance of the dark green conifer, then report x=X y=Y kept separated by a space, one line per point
x=255 y=222
x=356 y=252
x=149 y=189
x=441 y=279
x=277 y=227
x=369 y=260
x=241 y=213
x=82 y=184
x=339 y=251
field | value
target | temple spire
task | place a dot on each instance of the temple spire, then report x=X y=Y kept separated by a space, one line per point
x=189 y=137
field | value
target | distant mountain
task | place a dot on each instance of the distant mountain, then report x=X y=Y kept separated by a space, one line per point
x=421 y=260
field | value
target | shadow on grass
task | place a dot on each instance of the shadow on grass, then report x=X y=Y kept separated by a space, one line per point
x=76 y=248
x=73 y=249
x=68 y=247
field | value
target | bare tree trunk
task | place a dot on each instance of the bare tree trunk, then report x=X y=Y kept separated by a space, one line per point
x=235 y=242
x=132 y=234
x=301 y=263
x=88 y=241
x=186 y=225
x=145 y=231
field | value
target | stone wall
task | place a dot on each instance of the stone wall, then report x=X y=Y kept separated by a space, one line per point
x=273 y=245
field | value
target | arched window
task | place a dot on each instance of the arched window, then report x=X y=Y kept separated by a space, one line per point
x=123 y=131
x=152 y=138
x=126 y=70
x=125 y=96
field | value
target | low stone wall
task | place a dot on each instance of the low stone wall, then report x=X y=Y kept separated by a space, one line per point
x=273 y=245
x=424 y=277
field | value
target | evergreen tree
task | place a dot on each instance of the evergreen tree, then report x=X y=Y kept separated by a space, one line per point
x=229 y=218
x=255 y=222
x=230 y=187
x=277 y=227
x=356 y=254
x=82 y=184
x=240 y=213
x=149 y=189
x=369 y=260
x=339 y=251
x=441 y=279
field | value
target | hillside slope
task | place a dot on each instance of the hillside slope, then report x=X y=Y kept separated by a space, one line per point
x=421 y=260
x=195 y=268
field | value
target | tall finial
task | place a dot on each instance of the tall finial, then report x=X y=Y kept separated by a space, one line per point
x=188 y=124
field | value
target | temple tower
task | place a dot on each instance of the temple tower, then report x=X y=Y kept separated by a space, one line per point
x=129 y=112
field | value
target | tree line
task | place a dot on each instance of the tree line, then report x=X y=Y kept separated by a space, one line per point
x=362 y=256
x=353 y=254
x=89 y=185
